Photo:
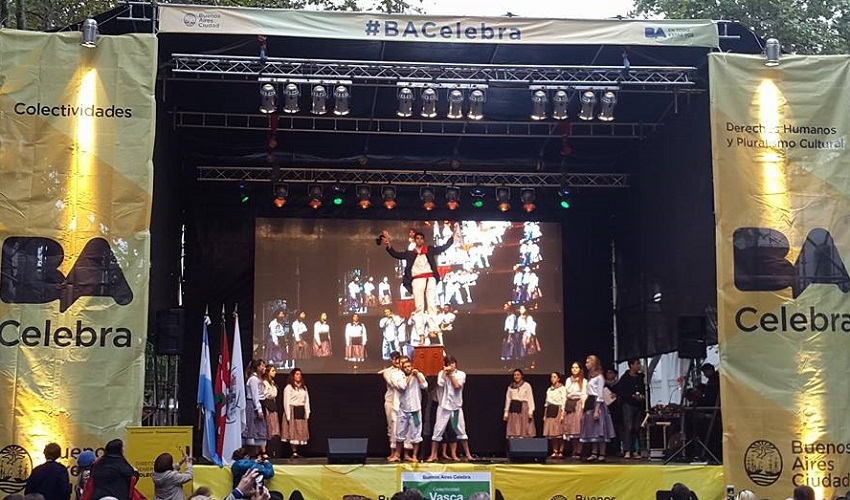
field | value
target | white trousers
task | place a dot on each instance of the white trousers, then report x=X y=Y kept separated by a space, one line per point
x=392 y=425
x=444 y=416
x=425 y=302
x=408 y=427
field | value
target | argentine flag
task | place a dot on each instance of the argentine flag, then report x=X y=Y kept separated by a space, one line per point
x=206 y=401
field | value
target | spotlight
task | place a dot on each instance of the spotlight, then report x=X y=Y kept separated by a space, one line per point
x=477 y=196
x=89 y=34
x=539 y=99
x=405 y=102
x=320 y=100
x=281 y=191
x=528 y=198
x=244 y=197
x=314 y=192
x=452 y=197
x=429 y=103
x=455 y=104
x=476 y=105
x=426 y=194
x=291 y=93
x=388 y=194
x=588 y=101
x=342 y=98
x=772 y=50
x=609 y=100
x=503 y=198
x=564 y=197
x=338 y=194
x=268 y=99
x=364 y=196
x=560 y=101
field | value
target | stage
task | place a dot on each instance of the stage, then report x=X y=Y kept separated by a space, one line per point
x=618 y=479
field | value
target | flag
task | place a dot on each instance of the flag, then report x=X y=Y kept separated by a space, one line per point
x=223 y=391
x=236 y=411
x=206 y=402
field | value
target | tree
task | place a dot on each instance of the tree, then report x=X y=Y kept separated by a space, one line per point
x=801 y=26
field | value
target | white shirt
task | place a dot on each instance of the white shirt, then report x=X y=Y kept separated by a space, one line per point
x=389 y=328
x=295 y=397
x=389 y=396
x=269 y=390
x=353 y=289
x=409 y=395
x=298 y=330
x=275 y=331
x=511 y=323
x=383 y=289
x=254 y=393
x=527 y=326
x=576 y=389
x=368 y=288
x=420 y=265
x=446 y=320
x=595 y=386
x=521 y=393
x=451 y=398
x=352 y=331
x=556 y=396
x=318 y=329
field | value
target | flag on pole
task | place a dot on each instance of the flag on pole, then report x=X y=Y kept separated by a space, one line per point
x=206 y=402
x=236 y=407
x=223 y=392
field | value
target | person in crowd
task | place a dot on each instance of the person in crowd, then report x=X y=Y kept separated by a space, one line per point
x=576 y=388
x=322 y=337
x=802 y=492
x=244 y=465
x=355 y=340
x=50 y=479
x=631 y=392
x=681 y=492
x=391 y=403
x=409 y=384
x=553 y=415
x=112 y=473
x=450 y=409
x=84 y=463
x=746 y=495
x=596 y=426
x=202 y=492
x=255 y=433
x=14 y=496
x=168 y=481
x=271 y=413
x=33 y=496
x=519 y=408
x=296 y=411
x=301 y=348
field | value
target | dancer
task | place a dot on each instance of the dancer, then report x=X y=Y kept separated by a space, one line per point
x=322 y=337
x=527 y=329
x=355 y=340
x=574 y=407
x=421 y=276
x=596 y=425
x=296 y=412
x=409 y=383
x=519 y=408
x=391 y=403
x=511 y=341
x=553 y=415
x=389 y=328
x=256 y=433
x=277 y=336
x=270 y=406
x=450 y=409
x=300 y=346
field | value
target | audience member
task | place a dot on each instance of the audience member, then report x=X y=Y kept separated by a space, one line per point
x=682 y=492
x=112 y=473
x=804 y=493
x=243 y=463
x=168 y=481
x=50 y=478
x=84 y=462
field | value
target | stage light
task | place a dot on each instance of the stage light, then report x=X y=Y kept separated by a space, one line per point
x=539 y=100
x=476 y=105
x=429 y=103
x=244 y=197
x=609 y=100
x=564 y=197
x=772 y=51
x=426 y=194
x=281 y=191
x=291 y=93
x=588 y=101
x=388 y=194
x=364 y=196
x=477 y=194
x=455 y=104
x=452 y=197
x=342 y=98
x=338 y=196
x=405 y=102
x=89 y=33
x=320 y=100
x=503 y=198
x=561 y=102
x=528 y=198
x=268 y=99
x=315 y=193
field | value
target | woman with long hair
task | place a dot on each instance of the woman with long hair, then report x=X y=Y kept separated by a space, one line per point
x=256 y=432
x=553 y=414
x=355 y=340
x=519 y=408
x=322 y=337
x=576 y=393
x=596 y=425
x=296 y=412
x=270 y=405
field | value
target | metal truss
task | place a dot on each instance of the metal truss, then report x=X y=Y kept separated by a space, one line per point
x=390 y=72
x=417 y=127
x=414 y=177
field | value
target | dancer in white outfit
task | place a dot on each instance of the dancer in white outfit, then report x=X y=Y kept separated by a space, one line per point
x=409 y=383
x=451 y=381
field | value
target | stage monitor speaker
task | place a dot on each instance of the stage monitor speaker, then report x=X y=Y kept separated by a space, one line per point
x=347 y=450
x=528 y=450
x=692 y=333
x=169 y=331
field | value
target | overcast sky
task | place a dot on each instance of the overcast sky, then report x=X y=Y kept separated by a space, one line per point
x=586 y=9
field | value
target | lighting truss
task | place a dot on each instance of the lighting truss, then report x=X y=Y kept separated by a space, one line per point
x=414 y=177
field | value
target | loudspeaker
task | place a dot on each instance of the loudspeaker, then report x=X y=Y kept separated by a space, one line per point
x=347 y=450
x=528 y=450
x=692 y=335
x=169 y=331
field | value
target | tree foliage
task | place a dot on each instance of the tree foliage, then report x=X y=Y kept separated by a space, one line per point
x=801 y=26
x=52 y=14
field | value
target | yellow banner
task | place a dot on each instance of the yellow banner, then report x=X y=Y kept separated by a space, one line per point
x=782 y=195
x=144 y=444
x=76 y=145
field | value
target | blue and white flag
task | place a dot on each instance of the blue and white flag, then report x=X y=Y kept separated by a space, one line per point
x=206 y=400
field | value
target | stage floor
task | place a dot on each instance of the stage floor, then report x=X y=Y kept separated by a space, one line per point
x=615 y=479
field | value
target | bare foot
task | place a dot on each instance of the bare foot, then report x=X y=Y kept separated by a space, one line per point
x=455 y=458
x=431 y=458
x=393 y=459
x=411 y=459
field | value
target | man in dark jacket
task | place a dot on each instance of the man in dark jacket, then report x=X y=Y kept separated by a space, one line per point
x=50 y=478
x=112 y=472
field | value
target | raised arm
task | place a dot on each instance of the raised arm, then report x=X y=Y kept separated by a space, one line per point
x=395 y=253
x=445 y=246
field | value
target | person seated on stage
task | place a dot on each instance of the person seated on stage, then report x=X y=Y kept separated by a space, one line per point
x=244 y=463
x=681 y=492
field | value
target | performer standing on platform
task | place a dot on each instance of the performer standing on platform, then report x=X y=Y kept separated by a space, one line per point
x=631 y=392
x=409 y=383
x=574 y=407
x=450 y=409
x=270 y=405
x=553 y=415
x=596 y=425
x=355 y=340
x=256 y=432
x=296 y=412
x=322 y=337
x=300 y=344
x=421 y=276
x=519 y=408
